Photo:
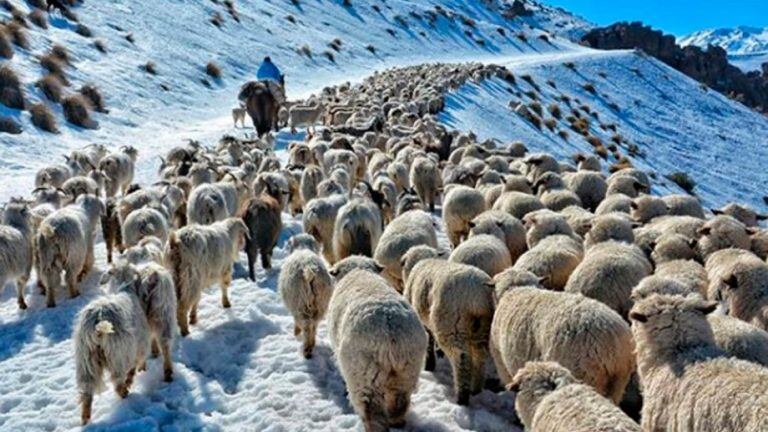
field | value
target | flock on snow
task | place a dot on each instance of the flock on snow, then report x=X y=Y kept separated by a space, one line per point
x=587 y=293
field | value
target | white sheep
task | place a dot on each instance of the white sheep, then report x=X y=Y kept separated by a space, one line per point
x=379 y=345
x=741 y=213
x=609 y=227
x=549 y=399
x=462 y=204
x=357 y=229
x=518 y=204
x=614 y=203
x=485 y=251
x=64 y=242
x=118 y=169
x=553 y=259
x=684 y=205
x=608 y=273
x=589 y=186
x=311 y=176
x=319 y=219
x=302 y=241
x=412 y=228
x=743 y=287
x=688 y=383
x=584 y=335
x=111 y=333
x=146 y=221
x=722 y=232
x=455 y=303
x=425 y=179
x=198 y=256
x=16 y=248
x=207 y=204
x=647 y=207
x=305 y=286
x=544 y=223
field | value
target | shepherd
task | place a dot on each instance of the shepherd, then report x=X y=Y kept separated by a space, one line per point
x=271 y=76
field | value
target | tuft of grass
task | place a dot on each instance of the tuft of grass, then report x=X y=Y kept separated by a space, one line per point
x=589 y=87
x=77 y=111
x=683 y=180
x=100 y=46
x=83 y=30
x=93 y=95
x=522 y=37
x=305 y=50
x=17 y=34
x=39 y=18
x=550 y=124
x=544 y=37
x=336 y=44
x=51 y=86
x=43 y=118
x=554 y=109
x=9 y=125
x=6 y=48
x=217 y=19
x=536 y=107
x=563 y=134
x=61 y=53
x=371 y=48
x=150 y=68
x=213 y=70
x=570 y=65
x=54 y=66
x=330 y=56
x=68 y=14
x=11 y=91
x=291 y=19
x=130 y=38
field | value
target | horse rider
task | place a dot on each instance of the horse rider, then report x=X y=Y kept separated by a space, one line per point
x=271 y=76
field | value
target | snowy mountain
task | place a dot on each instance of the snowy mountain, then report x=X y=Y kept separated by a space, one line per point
x=747 y=47
x=241 y=368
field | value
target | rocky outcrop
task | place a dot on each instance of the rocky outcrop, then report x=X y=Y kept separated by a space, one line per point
x=708 y=66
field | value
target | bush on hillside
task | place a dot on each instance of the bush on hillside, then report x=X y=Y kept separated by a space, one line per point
x=51 y=87
x=77 y=111
x=43 y=118
x=11 y=92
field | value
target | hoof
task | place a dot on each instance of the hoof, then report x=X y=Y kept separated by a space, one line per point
x=22 y=305
x=51 y=305
x=168 y=376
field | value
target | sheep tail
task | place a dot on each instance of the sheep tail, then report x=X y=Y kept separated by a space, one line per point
x=174 y=261
x=361 y=242
x=104 y=328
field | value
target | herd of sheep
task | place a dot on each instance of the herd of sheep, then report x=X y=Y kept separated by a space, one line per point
x=585 y=291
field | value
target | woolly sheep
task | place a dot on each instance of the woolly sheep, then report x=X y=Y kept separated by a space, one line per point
x=354 y=262
x=609 y=227
x=614 y=203
x=16 y=248
x=626 y=185
x=589 y=186
x=741 y=213
x=462 y=204
x=584 y=335
x=722 y=232
x=518 y=204
x=455 y=303
x=553 y=259
x=55 y=175
x=111 y=333
x=64 y=242
x=144 y=222
x=357 y=229
x=486 y=252
x=207 y=204
x=553 y=194
x=670 y=247
x=311 y=176
x=118 y=168
x=760 y=243
x=504 y=227
x=80 y=185
x=517 y=183
x=319 y=219
x=579 y=219
x=544 y=223
x=608 y=273
x=412 y=228
x=425 y=179
x=743 y=289
x=539 y=164
x=379 y=345
x=305 y=286
x=549 y=399
x=684 y=205
x=587 y=162
x=264 y=222
x=302 y=241
x=647 y=207
x=688 y=383
x=198 y=256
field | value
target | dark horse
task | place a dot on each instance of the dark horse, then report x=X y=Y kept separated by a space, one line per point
x=261 y=106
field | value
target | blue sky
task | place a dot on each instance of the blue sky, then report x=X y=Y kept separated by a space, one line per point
x=679 y=17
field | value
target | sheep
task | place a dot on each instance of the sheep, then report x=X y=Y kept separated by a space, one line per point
x=609 y=227
x=485 y=252
x=357 y=229
x=741 y=213
x=425 y=179
x=608 y=273
x=722 y=232
x=379 y=345
x=553 y=194
x=517 y=183
x=582 y=334
x=587 y=162
x=398 y=172
x=146 y=221
x=688 y=383
x=149 y=249
x=319 y=219
x=55 y=175
x=80 y=185
x=299 y=115
x=647 y=207
x=311 y=176
x=544 y=223
x=16 y=248
x=554 y=259
x=743 y=288
x=118 y=169
x=539 y=164
x=549 y=399
x=687 y=272
x=518 y=204
x=589 y=186
x=455 y=303
x=64 y=242
x=462 y=204
x=759 y=243
x=684 y=205
x=417 y=254
x=198 y=256
x=627 y=185
x=672 y=247
x=387 y=189
x=412 y=228
x=264 y=222
x=207 y=204
x=619 y=203
x=111 y=333
x=504 y=227
x=305 y=286
x=641 y=177
x=354 y=262
x=302 y=241
x=276 y=184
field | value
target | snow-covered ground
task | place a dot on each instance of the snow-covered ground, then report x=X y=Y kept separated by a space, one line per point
x=747 y=47
x=241 y=368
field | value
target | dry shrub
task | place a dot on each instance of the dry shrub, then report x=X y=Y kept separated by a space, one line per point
x=554 y=109
x=39 y=4
x=61 y=53
x=100 y=46
x=11 y=92
x=77 y=111
x=371 y=48
x=68 y=14
x=9 y=125
x=6 y=48
x=17 y=35
x=94 y=96
x=563 y=134
x=43 y=118
x=55 y=66
x=51 y=87
x=213 y=70
x=83 y=30
x=590 y=88
x=595 y=141
x=330 y=56
x=217 y=19
x=335 y=44
x=550 y=124
x=150 y=68
x=130 y=38
x=305 y=50
x=39 y=18
x=537 y=108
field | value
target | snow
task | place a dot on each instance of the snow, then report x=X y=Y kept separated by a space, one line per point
x=747 y=47
x=241 y=368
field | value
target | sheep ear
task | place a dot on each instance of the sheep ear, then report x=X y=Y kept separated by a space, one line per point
x=105 y=277
x=490 y=283
x=693 y=243
x=636 y=224
x=543 y=280
x=732 y=281
x=762 y=217
x=514 y=386
x=472 y=225
x=752 y=230
x=379 y=267
x=633 y=205
x=716 y=212
x=333 y=272
x=637 y=316
x=705 y=231
x=707 y=308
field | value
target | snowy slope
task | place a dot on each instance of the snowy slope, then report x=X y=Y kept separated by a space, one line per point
x=177 y=36
x=677 y=125
x=747 y=47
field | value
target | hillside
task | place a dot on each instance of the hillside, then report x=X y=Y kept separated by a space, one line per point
x=747 y=47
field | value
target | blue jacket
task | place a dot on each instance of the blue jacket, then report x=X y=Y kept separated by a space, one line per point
x=268 y=71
